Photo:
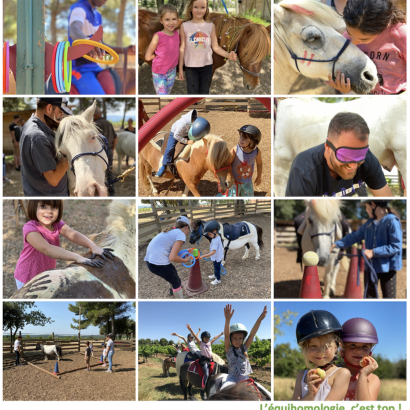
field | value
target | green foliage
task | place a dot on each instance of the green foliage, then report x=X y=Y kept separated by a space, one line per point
x=288 y=209
x=163 y=341
x=288 y=362
x=260 y=352
x=146 y=350
x=285 y=318
x=256 y=17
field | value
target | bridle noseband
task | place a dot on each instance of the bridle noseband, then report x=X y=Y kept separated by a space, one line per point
x=104 y=147
x=325 y=233
x=334 y=59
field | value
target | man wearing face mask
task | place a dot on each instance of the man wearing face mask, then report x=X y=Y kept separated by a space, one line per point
x=42 y=175
x=341 y=165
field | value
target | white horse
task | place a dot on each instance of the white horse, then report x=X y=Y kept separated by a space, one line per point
x=320 y=229
x=125 y=146
x=50 y=350
x=115 y=280
x=308 y=41
x=181 y=359
x=78 y=139
x=254 y=238
x=302 y=123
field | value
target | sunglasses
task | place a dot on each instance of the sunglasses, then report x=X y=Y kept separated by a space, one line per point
x=348 y=155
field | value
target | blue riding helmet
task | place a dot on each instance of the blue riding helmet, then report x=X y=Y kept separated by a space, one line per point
x=211 y=226
x=199 y=128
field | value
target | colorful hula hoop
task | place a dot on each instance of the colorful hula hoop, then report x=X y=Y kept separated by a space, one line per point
x=59 y=67
x=68 y=68
x=100 y=45
x=53 y=67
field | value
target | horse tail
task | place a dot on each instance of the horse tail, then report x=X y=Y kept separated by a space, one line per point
x=259 y=231
x=142 y=174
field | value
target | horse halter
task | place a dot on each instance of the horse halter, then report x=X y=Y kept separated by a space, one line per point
x=334 y=59
x=104 y=147
x=325 y=233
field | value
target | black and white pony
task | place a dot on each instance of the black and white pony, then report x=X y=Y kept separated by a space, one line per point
x=50 y=350
x=320 y=229
x=254 y=237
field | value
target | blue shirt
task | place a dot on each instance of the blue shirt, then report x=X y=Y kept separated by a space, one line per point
x=386 y=240
x=91 y=19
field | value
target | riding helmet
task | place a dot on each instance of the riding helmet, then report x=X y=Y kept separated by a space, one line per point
x=199 y=129
x=253 y=131
x=238 y=327
x=211 y=226
x=189 y=334
x=316 y=323
x=359 y=330
x=205 y=334
x=381 y=203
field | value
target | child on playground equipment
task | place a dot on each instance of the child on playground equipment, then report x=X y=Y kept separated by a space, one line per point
x=211 y=230
x=359 y=337
x=236 y=348
x=189 y=125
x=318 y=335
x=379 y=29
x=198 y=40
x=163 y=51
x=42 y=242
x=104 y=355
x=383 y=238
x=189 y=341
x=206 y=354
x=87 y=356
x=163 y=250
x=244 y=156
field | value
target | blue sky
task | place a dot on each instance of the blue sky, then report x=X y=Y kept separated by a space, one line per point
x=389 y=319
x=160 y=319
x=57 y=311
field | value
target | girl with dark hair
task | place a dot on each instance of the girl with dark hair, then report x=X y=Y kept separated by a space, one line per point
x=338 y=5
x=379 y=29
x=383 y=239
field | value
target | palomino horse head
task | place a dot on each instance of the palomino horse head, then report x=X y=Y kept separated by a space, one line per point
x=308 y=41
x=78 y=139
x=322 y=225
x=251 y=41
x=219 y=162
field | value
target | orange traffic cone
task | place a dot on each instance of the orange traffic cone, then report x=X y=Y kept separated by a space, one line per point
x=353 y=289
x=362 y=259
x=310 y=288
x=194 y=285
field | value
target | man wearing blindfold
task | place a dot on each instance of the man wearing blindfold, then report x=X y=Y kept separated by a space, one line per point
x=341 y=165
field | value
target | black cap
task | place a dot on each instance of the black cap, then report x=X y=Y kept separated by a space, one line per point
x=60 y=102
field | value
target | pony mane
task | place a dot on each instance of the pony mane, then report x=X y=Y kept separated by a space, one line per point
x=230 y=30
x=315 y=10
x=218 y=152
x=325 y=209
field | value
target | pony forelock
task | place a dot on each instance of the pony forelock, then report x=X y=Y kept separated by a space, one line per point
x=325 y=209
x=218 y=152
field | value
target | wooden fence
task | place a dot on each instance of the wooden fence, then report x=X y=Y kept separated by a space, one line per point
x=152 y=223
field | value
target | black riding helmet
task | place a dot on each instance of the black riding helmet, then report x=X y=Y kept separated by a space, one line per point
x=211 y=226
x=253 y=131
x=381 y=203
x=199 y=128
x=316 y=323
x=189 y=334
x=205 y=334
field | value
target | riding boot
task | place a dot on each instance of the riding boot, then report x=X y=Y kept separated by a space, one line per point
x=171 y=291
x=203 y=395
x=179 y=294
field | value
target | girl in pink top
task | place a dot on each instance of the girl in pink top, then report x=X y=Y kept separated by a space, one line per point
x=42 y=243
x=198 y=40
x=163 y=51
x=378 y=28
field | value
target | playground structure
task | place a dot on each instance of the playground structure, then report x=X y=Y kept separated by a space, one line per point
x=31 y=62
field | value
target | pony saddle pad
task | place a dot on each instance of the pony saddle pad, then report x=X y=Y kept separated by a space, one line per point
x=233 y=232
x=197 y=369
x=189 y=357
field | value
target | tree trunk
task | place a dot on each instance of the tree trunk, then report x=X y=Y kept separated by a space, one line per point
x=112 y=325
x=55 y=11
x=120 y=27
x=104 y=108
x=160 y=3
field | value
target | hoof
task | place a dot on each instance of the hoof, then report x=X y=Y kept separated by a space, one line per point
x=326 y=297
x=245 y=257
x=257 y=258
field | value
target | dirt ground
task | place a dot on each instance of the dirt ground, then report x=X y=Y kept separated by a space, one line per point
x=122 y=189
x=288 y=276
x=153 y=386
x=245 y=279
x=224 y=124
x=87 y=217
x=228 y=80
x=31 y=384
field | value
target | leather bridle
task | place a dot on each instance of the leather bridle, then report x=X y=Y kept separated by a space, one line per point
x=325 y=233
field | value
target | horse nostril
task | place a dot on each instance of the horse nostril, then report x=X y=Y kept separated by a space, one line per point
x=368 y=76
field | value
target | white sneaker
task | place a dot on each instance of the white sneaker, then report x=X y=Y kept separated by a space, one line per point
x=215 y=282
x=211 y=277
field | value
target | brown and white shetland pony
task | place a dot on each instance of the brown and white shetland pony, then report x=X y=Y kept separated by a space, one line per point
x=211 y=153
x=251 y=41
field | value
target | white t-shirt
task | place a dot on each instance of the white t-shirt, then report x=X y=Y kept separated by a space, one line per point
x=110 y=346
x=105 y=352
x=16 y=345
x=160 y=247
x=216 y=245
x=206 y=349
x=193 y=347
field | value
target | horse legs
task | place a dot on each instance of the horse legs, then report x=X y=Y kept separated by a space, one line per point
x=246 y=255
x=120 y=157
x=153 y=189
x=331 y=271
x=186 y=191
x=256 y=246
x=183 y=387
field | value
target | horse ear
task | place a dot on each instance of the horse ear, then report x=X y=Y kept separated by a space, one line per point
x=339 y=232
x=88 y=114
x=279 y=12
x=302 y=227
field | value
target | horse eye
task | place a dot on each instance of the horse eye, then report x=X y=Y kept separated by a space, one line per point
x=312 y=39
x=310 y=221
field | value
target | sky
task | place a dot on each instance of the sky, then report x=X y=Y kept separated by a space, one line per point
x=389 y=319
x=58 y=311
x=159 y=319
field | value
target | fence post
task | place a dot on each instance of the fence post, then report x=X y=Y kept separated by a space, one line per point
x=154 y=210
x=190 y=208
x=214 y=204
x=79 y=346
x=256 y=206
x=53 y=338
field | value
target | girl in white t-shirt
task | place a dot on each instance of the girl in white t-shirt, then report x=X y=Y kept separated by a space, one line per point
x=164 y=249
x=105 y=355
x=17 y=350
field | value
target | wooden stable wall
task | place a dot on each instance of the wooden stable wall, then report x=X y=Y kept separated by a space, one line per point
x=255 y=7
x=7 y=120
x=155 y=221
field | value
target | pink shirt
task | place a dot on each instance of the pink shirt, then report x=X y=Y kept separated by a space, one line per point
x=31 y=261
x=198 y=44
x=206 y=349
x=166 y=53
x=388 y=51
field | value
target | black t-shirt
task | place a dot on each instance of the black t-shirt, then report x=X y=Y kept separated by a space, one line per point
x=310 y=176
x=88 y=351
x=127 y=129
x=16 y=129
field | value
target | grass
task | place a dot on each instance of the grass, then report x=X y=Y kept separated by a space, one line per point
x=256 y=17
x=390 y=390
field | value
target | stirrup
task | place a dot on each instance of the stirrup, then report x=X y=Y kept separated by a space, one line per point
x=160 y=172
